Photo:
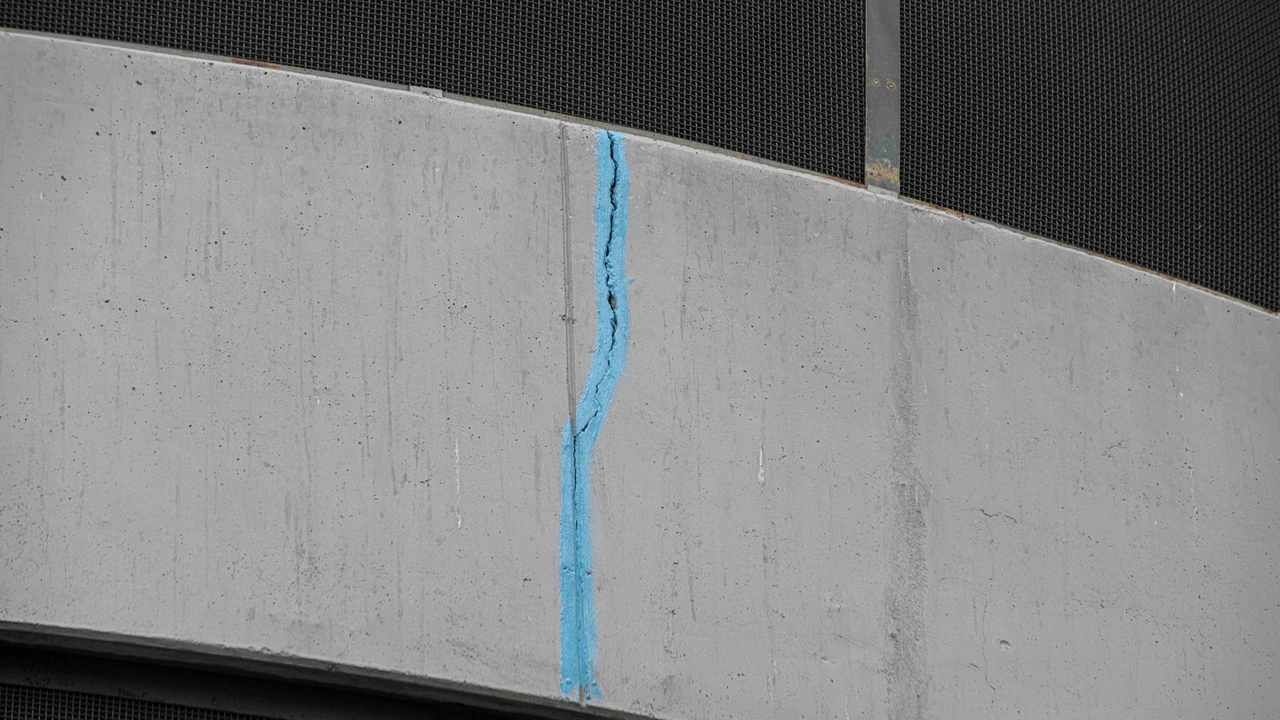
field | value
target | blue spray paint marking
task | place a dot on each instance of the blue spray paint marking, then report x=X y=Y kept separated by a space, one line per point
x=577 y=602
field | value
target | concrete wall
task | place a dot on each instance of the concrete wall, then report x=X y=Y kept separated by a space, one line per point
x=283 y=367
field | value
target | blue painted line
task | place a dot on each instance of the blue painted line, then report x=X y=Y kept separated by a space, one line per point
x=577 y=597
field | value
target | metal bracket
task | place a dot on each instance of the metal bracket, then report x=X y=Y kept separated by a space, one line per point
x=883 y=96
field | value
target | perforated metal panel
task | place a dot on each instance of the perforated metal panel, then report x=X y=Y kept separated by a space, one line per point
x=778 y=80
x=1146 y=130
x=33 y=703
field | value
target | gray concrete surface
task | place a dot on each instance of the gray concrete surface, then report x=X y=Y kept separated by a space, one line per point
x=301 y=391
x=281 y=363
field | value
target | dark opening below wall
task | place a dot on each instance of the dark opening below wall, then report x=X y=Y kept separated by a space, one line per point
x=54 y=673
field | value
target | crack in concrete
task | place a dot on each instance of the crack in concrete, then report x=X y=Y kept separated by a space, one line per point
x=577 y=620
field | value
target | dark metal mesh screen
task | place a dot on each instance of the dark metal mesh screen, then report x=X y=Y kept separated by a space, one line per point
x=778 y=80
x=1146 y=130
x=32 y=703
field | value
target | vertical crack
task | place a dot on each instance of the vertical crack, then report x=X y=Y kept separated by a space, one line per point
x=612 y=273
x=577 y=619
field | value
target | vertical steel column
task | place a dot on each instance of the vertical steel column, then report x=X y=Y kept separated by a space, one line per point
x=883 y=87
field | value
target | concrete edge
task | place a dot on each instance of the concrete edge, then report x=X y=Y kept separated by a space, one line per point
x=434 y=93
x=631 y=132
x=263 y=664
x=928 y=207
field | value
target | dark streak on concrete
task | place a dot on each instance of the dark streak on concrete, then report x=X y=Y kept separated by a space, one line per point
x=905 y=669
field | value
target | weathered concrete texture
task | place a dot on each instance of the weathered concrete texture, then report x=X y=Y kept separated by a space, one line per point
x=1103 y=451
x=866 y=460
x=874 y=460
x=744 y=471
x=282 y=363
